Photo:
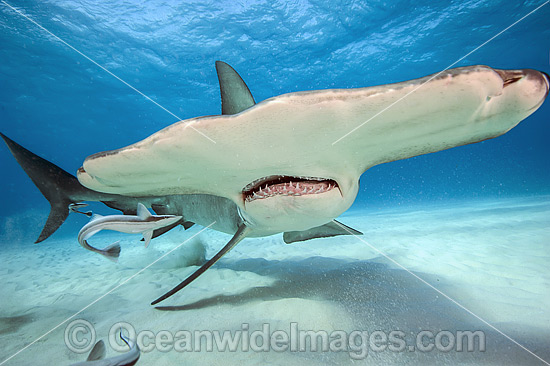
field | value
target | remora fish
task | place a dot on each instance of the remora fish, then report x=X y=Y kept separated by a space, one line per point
x=97 y=355
x=276 y=166
x=143 y=223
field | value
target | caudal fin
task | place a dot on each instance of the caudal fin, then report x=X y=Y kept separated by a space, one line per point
x=111 y=252
x=59 y=187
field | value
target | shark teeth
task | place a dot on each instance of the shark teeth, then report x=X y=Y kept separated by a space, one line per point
x=290 y=188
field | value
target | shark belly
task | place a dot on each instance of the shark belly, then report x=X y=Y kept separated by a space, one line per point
x=219 y=213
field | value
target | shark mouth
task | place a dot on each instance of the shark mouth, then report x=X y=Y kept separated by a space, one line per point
x=280 y=185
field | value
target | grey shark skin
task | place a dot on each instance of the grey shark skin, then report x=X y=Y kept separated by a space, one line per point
x=142 y=223
x=97 y=354
x=275 y=167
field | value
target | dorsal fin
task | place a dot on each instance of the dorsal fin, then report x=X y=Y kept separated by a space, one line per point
x=142 y=211
x=236 y=96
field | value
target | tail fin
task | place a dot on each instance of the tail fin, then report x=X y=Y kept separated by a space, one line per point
x=59 y=187
x=112 y=252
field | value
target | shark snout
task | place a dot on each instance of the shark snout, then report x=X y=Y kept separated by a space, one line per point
x=540 y=83
x=531 y=86
x=510 y=77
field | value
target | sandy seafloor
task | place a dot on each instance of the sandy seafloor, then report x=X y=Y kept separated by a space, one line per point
x=492 y=257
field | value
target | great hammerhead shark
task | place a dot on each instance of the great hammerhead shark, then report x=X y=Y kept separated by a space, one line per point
x=290 y=163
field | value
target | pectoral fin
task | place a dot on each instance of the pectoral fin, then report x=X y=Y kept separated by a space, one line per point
x=147 y=236
x=239 y=235
x=333 y=228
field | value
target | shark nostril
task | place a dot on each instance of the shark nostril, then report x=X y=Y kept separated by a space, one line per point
x=511 y=76
x=511 y=81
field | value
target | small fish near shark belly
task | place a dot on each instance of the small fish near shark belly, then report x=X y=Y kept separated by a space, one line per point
x=142 y=223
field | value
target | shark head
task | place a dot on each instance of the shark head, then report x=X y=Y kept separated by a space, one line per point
x=293 y=162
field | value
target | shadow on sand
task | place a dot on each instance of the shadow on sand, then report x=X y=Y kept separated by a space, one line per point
x=378 y=297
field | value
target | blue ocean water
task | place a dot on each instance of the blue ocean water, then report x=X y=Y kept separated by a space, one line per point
x=63 y=107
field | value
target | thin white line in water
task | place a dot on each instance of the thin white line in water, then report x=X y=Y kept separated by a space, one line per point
x=104 y=295
x=103 y=68
x=441 y=292
x=436 y=75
